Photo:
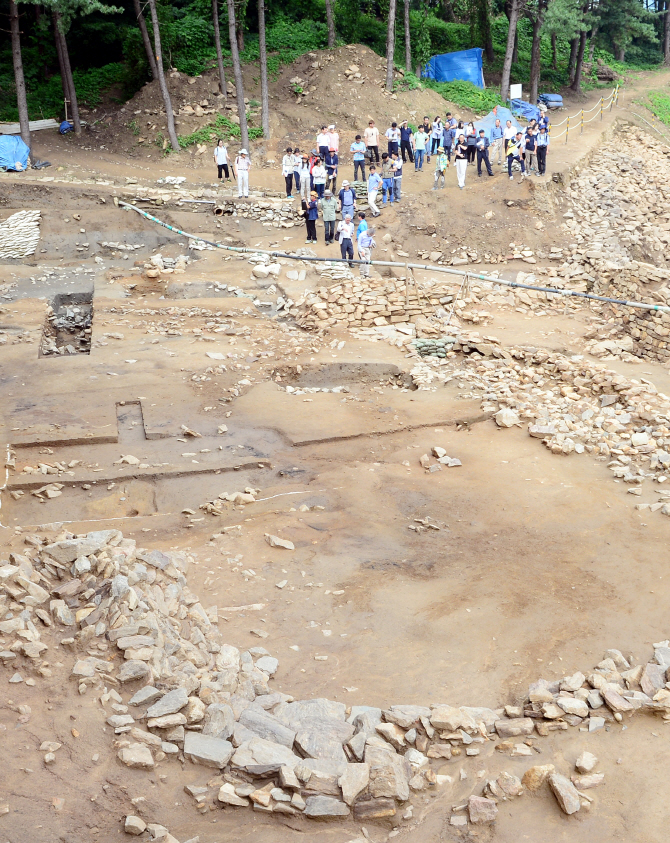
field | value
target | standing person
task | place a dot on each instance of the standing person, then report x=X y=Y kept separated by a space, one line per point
x=529 y=152
x=221 y=159
x=332 y=162
x=461 y=157
x=441 y=164
x=319 y=176
x=515 y=153
x=447 y=141
x=287 y=171
x=471 y=139
x=374 y=183
x=312 y=217
x=497 y=141
x=297 y=163
x=347 y=199
x=387 y=177
x=483 y=153
x=435 y=136
x=365 y=246
x=542 y=146
x=323 y=142
x=420 y=141
x=509 y=133
x=406 y=142
x=333 y=138
x=371 y=135
x=314 y=159
x=393 y=138
x=242 y=167
x=358 y=148
x=397 y=175
x=362 y=226
x=329 y=215
x=305 y=185
x=345 y=230
x=544 y=120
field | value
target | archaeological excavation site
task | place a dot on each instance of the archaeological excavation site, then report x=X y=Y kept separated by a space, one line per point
x=294 y=548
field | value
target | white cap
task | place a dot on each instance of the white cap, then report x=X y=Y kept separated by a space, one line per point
x=332 y=127
x=345 y=182
x=243 y=152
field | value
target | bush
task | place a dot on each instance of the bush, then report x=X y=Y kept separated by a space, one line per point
x=221 y=128
x=467 y=95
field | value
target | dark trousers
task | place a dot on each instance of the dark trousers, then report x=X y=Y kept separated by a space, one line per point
x=223 y=168
x=311 y=229
x=374 y=153
x=320 y=189
x=289 y=184
x=434 y=144
x=296 y=179
x=541 y=159
x=347 y=249
x=323 y=151
x=518 y=158
x=330 y=230
x=359 y=165
x=392 y=147
x=472 y=149
x=483 y=155
x=406 y=147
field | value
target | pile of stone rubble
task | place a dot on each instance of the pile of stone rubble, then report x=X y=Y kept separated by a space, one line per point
x=172 y=688
x=68 y=328
x=572 y=405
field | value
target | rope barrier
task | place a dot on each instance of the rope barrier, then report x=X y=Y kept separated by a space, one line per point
x=599 y=104
x=465 y=275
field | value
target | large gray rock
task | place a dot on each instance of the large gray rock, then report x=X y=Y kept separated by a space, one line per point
x=171 y=703
x=481 y=810
x=137 y=755
x=353 y=781
x=514 y=728
x=267 y=726
x=259 y=757
x=389 y=773
x=71 y=549
x=565 y=793
x=446 y=717
x=323 y=738
x=406 y=716
x=145 y=696
x=219 y=721
x=293 y=714
x=324 y=807
x=133 y=670
x=321 y=775
x=208 y=751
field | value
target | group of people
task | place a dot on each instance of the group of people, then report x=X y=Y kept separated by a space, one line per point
x=330 y=206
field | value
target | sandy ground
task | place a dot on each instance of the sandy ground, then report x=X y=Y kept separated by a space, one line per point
x=540 y=564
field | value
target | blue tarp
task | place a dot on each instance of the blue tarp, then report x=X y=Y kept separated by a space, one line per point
x=525 y=109
x=464 y=65
x=499 y=113
x=13 y=151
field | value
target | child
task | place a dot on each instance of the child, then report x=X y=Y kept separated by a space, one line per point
x=441 y=164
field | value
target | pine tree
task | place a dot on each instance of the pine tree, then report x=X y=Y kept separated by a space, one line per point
x=390 y=45
x=165 y=93
x=19 y=80
x=514 y=13
x=148 y=47
x=237 y=71
x=265 y=108
x=330 y=20
x=217 y=46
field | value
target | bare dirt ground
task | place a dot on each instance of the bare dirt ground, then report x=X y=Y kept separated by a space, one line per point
x=541 y=562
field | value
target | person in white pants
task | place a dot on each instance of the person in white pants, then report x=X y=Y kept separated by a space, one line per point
x=242 y=167
x=305 y=184
x=374 y=183
x=461 y=156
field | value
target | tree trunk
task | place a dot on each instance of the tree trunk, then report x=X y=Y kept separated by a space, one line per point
x=172 y=133
x=240 y=13
x=390 y=46
x=592 y=42
x=620 y=53
x=408 y=40
x=554 y=57
x=265 y=107
x=577 y=81
x=237 y=70
x=666 y=39
x=485 y=29
x=509 y=52
x=217 y=44
x=330 y=20
x=535 y=57
x=574 y=46
x=67 y=70
x=515 y=54
x=148 y=47
x=65 y=82
x=19 y=79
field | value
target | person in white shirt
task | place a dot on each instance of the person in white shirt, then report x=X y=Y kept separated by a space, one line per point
x=221 y=159
x=345 y=230
x=297 y=163
x=287 y=171
x=242 y=167
x=509 y=133
x=319 y=176
x=333 y=139
x=371 y=137
x=393 y=137
x=322 y=142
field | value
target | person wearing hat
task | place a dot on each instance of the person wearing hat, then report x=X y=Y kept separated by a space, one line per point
x=542 y=144
x=333 y=138
x=242 y=167
x=482 y=145
x=312 y=217
x=347 y=199
x=329 y=213
x=441 y=164
x=304 y=177
x=345 y=234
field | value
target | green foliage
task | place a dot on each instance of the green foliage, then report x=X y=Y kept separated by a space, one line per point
x=659 y=105
x=221 y=129
x=409 y=82
x=134 y=128
x=466 y=95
